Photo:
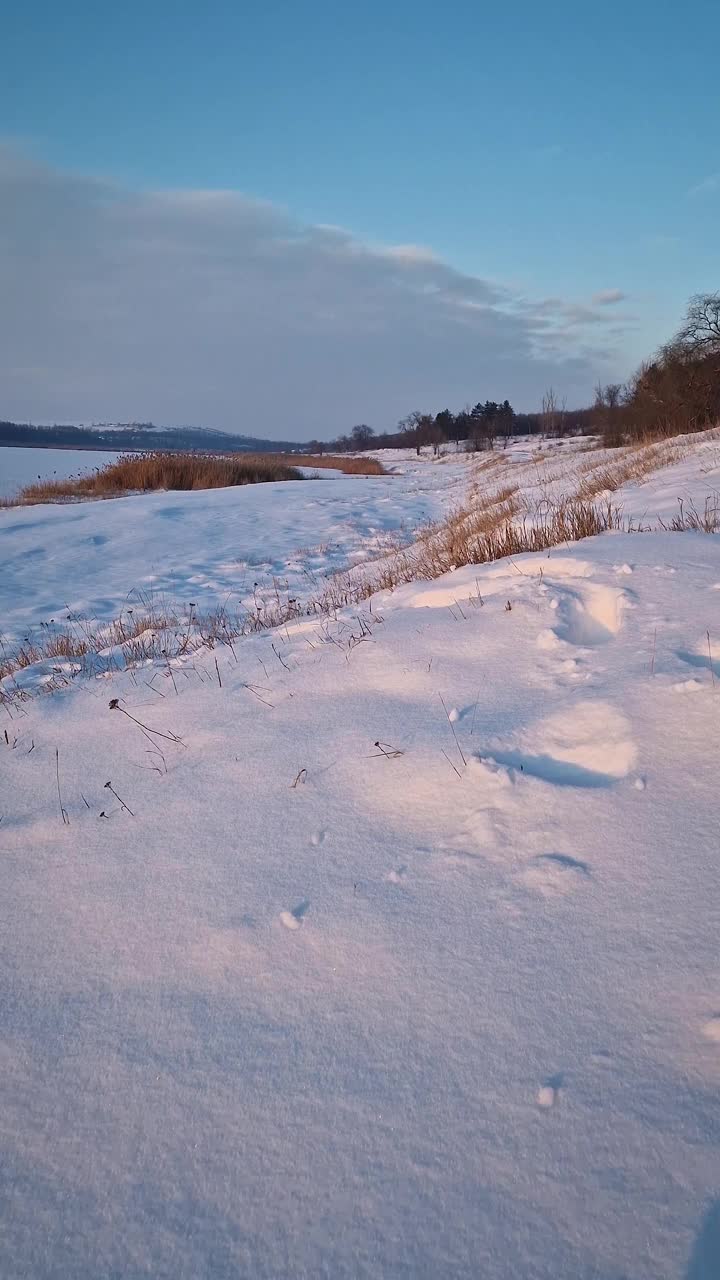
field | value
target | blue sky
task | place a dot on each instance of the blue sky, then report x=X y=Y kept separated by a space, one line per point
x=553 y=152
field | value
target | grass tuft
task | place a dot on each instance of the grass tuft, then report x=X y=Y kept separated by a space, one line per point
x=633 y=466
x=690 y=519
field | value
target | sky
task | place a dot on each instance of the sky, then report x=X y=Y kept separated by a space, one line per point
x=285 y=218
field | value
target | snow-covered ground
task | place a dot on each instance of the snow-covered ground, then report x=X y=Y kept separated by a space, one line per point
x=387 y=946
x=92 y=559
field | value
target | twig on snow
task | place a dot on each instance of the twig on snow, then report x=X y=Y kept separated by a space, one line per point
x=63 y=810
x=169 y=737
x=109 y=786
x=472 y=726
x=452 y=766
x=384 y=749
x=279 y=657
x=251 y=689
x=454 y=734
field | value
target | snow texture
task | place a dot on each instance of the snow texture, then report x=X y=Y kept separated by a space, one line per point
x=333 y=983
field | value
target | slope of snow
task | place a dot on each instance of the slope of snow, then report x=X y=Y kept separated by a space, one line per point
x=385 y=945
x=93 y=558
x=322 y=977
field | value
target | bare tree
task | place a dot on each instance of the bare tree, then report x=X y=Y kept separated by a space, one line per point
x=410 y=421
x=549 y=413
x=699 y=334
x=606 y=413
x=362 y=435
x=425 y=429
x=612 y=392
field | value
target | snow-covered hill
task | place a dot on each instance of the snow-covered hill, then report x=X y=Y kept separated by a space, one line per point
x=92 y=560
x=381 y=945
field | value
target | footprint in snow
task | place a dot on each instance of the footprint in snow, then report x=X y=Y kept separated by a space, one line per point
x=590 y=616
x=590 y=746
x=549 y=1092
x=397 y=875
x=554 y=874
x=711 y=1029
x=293 y=919
x=704 y=658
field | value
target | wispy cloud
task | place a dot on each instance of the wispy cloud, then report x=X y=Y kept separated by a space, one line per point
x=608 y=297
x=215 y=308
x=711 y=183
x=594 y=331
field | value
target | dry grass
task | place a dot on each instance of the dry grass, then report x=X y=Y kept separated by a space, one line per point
x=147 y=472
x=473 y=534
x=477 y=534
x=487 y=527
x=151 y=631
x=350 y=466
x=490 y=462
x=633 y=466
x=690 y=519
x=144 y=472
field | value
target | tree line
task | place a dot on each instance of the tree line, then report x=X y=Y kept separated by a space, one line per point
x=675 y=392
x=478 y=427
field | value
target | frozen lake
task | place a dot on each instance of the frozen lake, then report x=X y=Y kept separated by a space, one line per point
x=19 y=466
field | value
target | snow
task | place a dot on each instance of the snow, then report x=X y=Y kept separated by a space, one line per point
x=19 y=467
x=229 y=545
x=351 y=982
x=92 y=559
x=547 y=1096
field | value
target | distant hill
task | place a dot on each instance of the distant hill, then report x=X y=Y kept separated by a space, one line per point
x=131 y=436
